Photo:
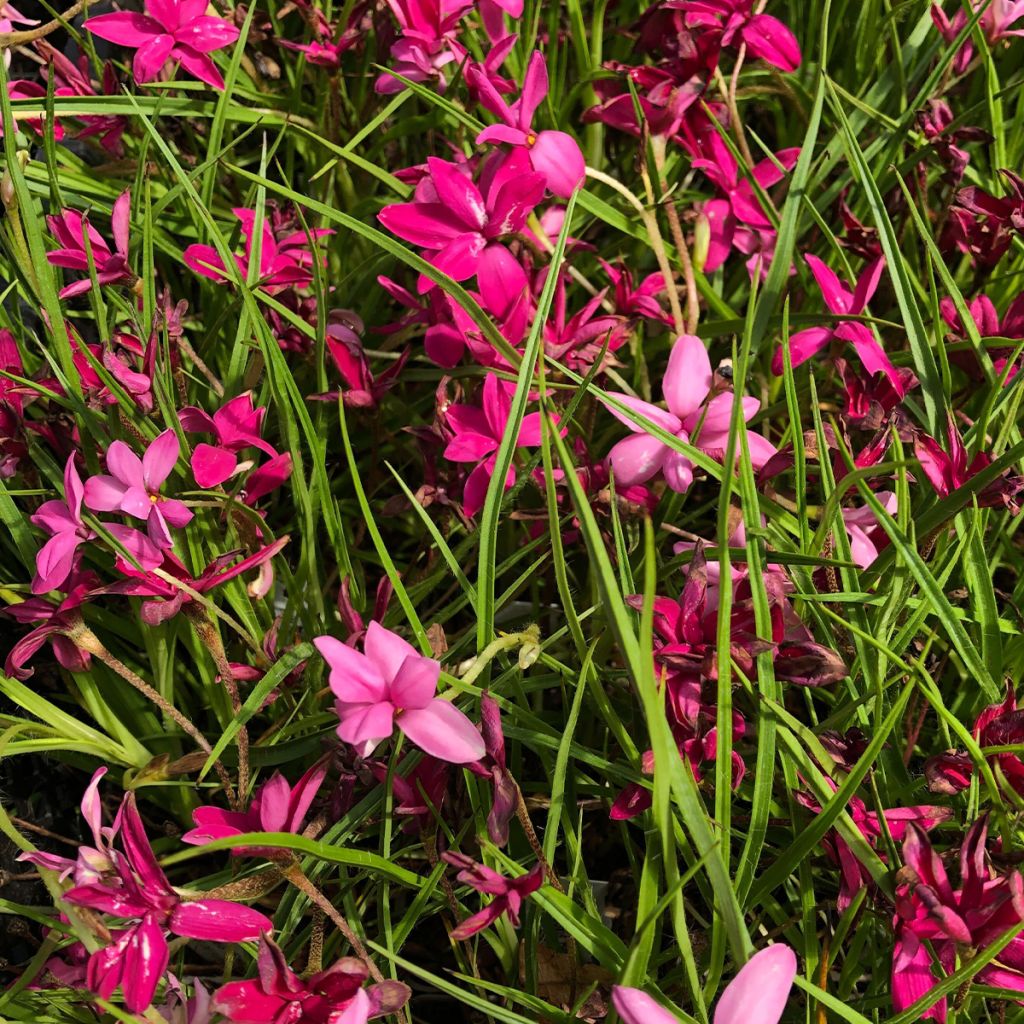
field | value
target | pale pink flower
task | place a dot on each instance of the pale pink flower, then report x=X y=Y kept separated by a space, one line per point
x=393 y=684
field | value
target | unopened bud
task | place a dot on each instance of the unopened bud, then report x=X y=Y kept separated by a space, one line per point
x=701 y=240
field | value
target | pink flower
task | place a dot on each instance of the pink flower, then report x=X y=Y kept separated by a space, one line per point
x=133 y=487
x=137 y=958
x=508 y=893
x=764 y=36
x=477 y=435
x=865 y=533
x=853 y=875
x=278 y=995
x=427 y=44
x=165 y=600
x=70 y=230
x=63 y=521
x=840 y=300
x=170 y=31
x=236 y=425
x=757 y=995
x=72 y=79
x=93 y=863
x=948 y=472
x=54 y=620
x=554 y=154
x=928 y=908
x=286 y=260
x=276 y=807
x=392 y=684
x=692 y=416
x=738 y=220
x=459 y=223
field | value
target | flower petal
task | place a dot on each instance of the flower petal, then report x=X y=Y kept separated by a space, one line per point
x=687 y=378
x=760 y=990
x=443 y=731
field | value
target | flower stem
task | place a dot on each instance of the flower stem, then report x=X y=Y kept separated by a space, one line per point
x=86 y=640
x=654 y=235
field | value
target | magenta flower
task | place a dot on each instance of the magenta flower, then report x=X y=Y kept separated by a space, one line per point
x=508 y=893
x=418 y=795
x=362 y=389
x=865 y=532
x=63 y=520
x=738 y=220
x=853 y=875
x=764 y=36
x=984 y=225
x=495 y=768
x=164 y=600
x=133 y=487
x=137 y=958
x=477 y=435
x=236 y=425
x=693 y=416
x=92 y=863
x=70 y=230
x=276 y=807
x=393 y=684
x=72 y=79
x=973 y=916
x=286 y=260
x=427 y=44
x=554 y=154
x=459 y=223
x=54 y=619
x=278 y=995
x=170 y=31
x=949 y=471
x=757 y=995
x=840 y=300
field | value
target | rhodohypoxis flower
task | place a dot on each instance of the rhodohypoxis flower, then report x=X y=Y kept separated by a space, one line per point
x=949 y=471
x=278 y=995
x=982 y=224
x=973 y=916
x=757 y=995
x=987 y=320
x=164 y=599
x=63 y=520
x=133 y=487
x=494 y=767
x=508 y=893
x=236 y=425
x=764 y=36
x=72 y=79
x=996 y=22
x=92 y=862
x=693 y=416
x=137 y=958
x=427 y=44
x=171 y=31
x=477 y=435
x=393 y=684
x=276 y=807
x=286 y=259
x=998 y=725
x=71 y=228
x=738 y=220
x=459 y=223
x=841 y=300
x=54 y=622
x=865 y=532
x=853 y=875
x=554 y=154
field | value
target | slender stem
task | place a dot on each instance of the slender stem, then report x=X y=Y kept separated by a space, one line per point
x=297 y=877
x=17 y=38
x=654 y=234
x=210 y=638
x=85 y=639
x=679 y=241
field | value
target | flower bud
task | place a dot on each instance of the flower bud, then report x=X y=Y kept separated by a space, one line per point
x=701 y=240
